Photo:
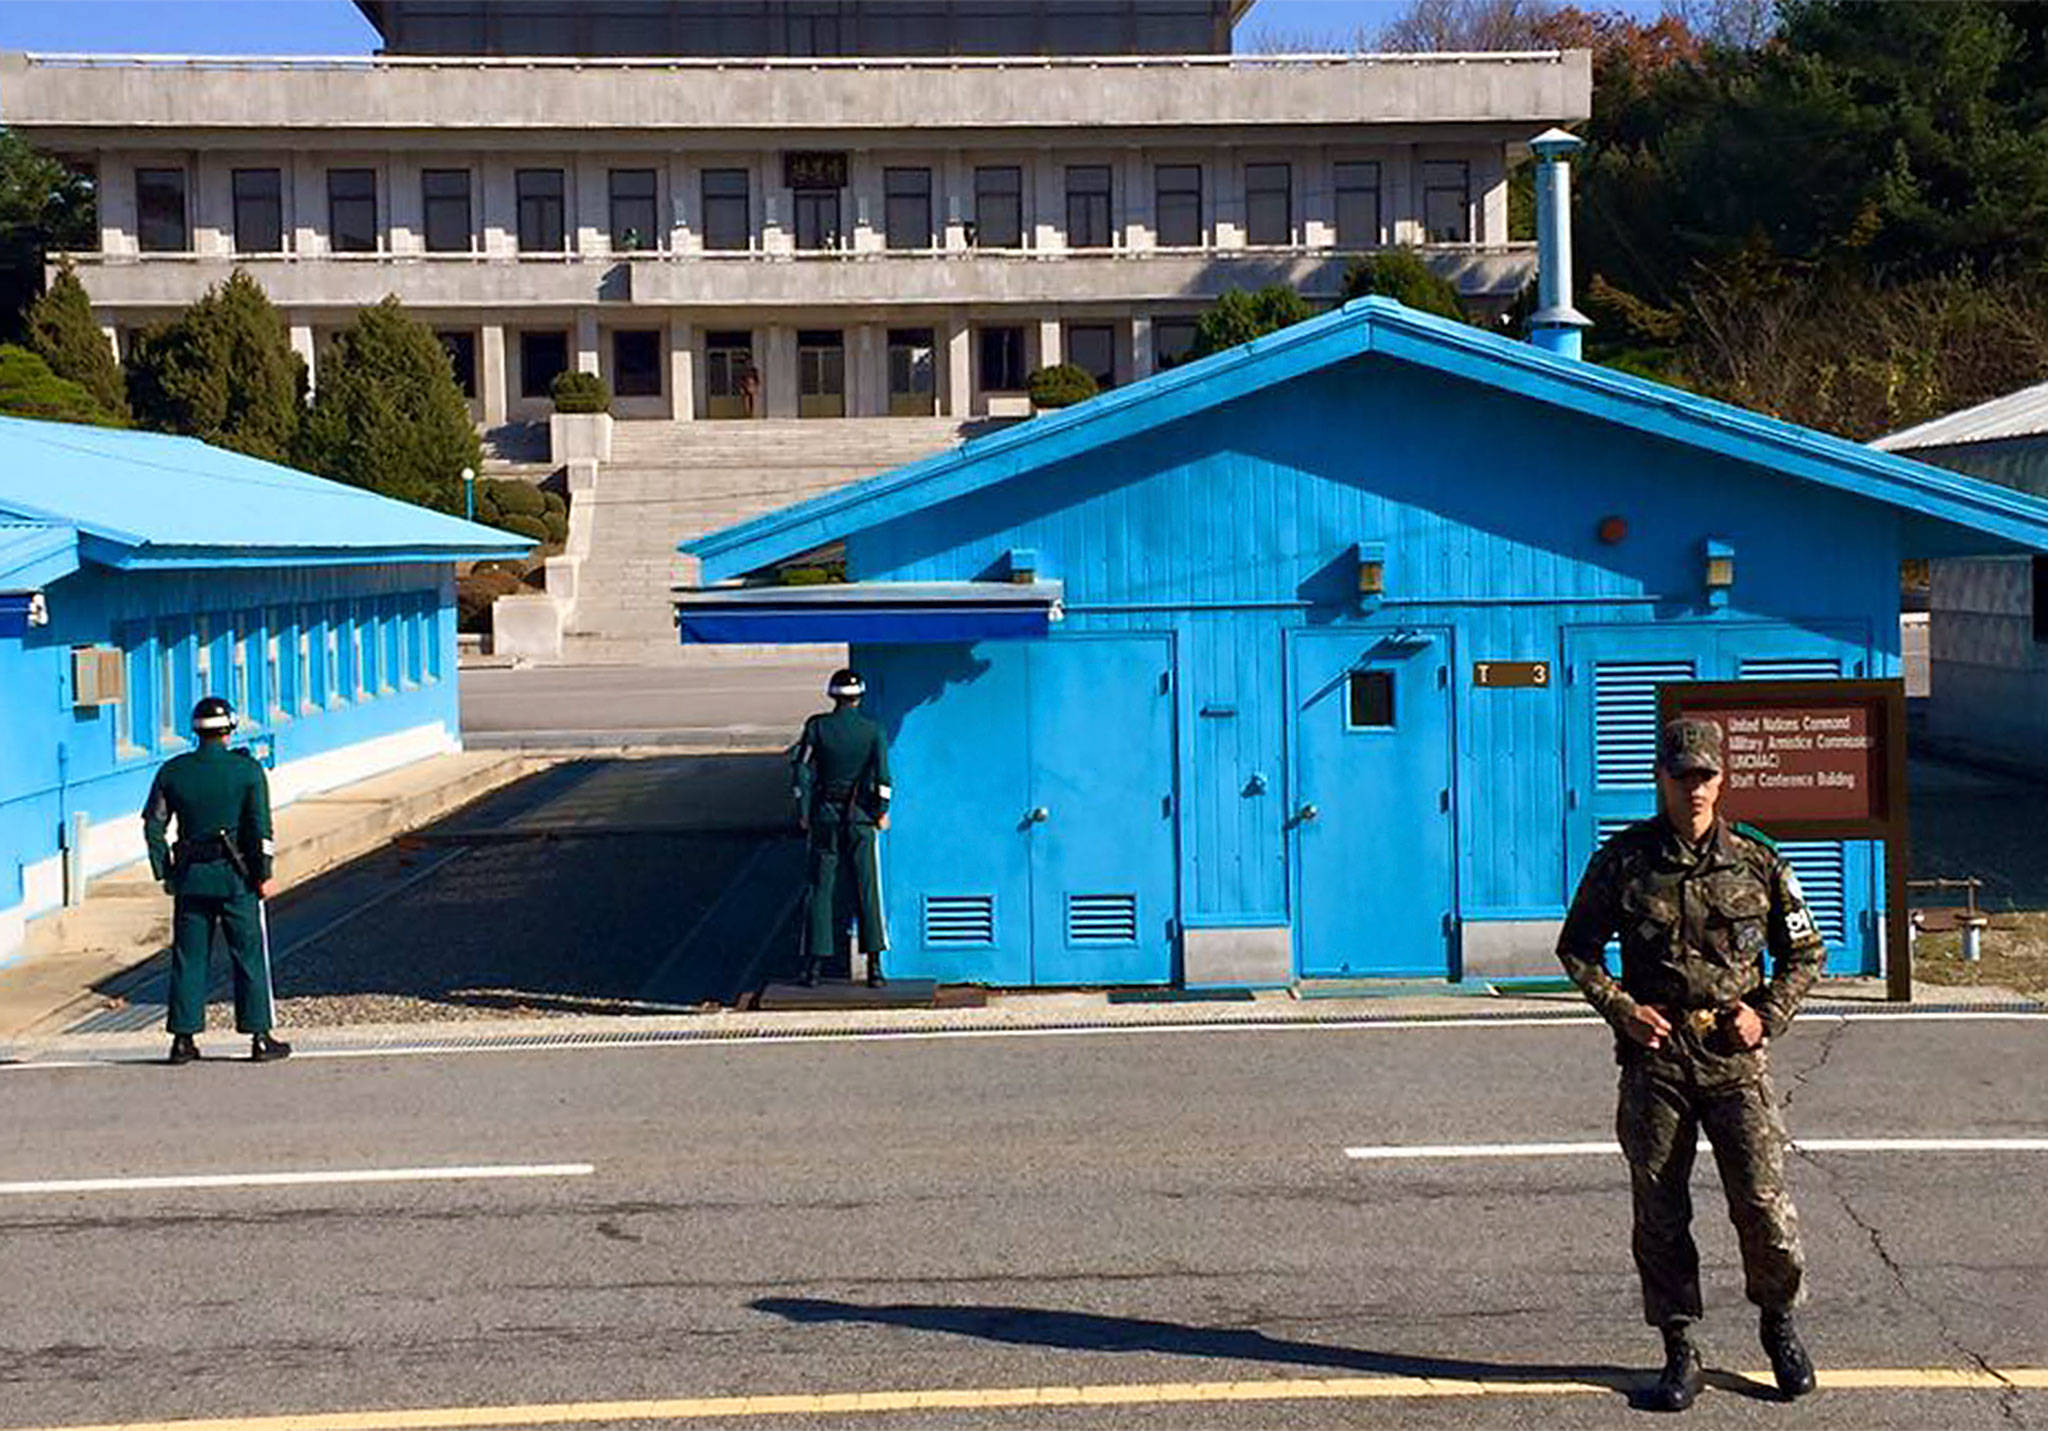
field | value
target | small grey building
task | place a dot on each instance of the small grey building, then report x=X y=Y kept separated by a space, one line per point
x=1988 y=617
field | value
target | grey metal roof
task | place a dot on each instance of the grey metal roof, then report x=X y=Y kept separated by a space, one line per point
x=2020 y=414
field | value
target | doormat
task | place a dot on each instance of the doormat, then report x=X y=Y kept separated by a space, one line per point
x=1180 y=996
x=1389 y=989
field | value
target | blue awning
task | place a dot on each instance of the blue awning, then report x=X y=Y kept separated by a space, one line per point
x=913 y=613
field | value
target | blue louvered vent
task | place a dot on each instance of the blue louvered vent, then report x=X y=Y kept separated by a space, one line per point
x=959 y=919
x=1102 y=919
x=1819 y=865
x=1792 y=668
x=1625 y=720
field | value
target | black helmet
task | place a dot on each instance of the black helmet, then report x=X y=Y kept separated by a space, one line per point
x=213 y=716
x=846 y=685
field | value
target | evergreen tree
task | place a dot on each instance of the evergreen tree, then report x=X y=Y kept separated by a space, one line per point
x=222 y=371
x=61 y=329
x=388 y=415
x=29 y=389
x=1400 y=274
x=44 y=207
x=1238 y=317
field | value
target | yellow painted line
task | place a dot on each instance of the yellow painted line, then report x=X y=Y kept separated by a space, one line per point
x=1359 y=1388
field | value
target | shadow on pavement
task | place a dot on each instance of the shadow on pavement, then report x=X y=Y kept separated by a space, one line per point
x=1967 y=821
x=1087 y=1331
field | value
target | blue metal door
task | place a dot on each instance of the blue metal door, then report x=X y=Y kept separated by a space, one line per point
x=1099 y=815
x=1371 y=805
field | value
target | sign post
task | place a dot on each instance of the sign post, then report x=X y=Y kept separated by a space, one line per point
x=1816 y=760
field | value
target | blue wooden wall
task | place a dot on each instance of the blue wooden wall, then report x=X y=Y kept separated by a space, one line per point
x=1229 y=529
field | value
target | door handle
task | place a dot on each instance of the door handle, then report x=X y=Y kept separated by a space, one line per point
x=1038 y=816
x=1307 y=813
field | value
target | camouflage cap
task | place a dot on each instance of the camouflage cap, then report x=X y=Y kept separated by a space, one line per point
x=1690 y=743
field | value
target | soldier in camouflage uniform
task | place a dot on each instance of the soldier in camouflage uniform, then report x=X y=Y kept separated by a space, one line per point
x=1696 y=903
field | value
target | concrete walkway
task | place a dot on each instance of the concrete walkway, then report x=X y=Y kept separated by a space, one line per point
x=126 y=917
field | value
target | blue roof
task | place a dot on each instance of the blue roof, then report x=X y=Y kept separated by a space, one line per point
x=34 y=554
x=1947 y=513
x=144 y=500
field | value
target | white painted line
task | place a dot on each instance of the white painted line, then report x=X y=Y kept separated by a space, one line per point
x=307 y=1179
x=1419 y=1152
x=430 y=1049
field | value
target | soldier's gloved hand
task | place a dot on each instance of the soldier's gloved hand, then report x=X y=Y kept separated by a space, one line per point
x=168 y=889
x=1746 y=1027
x=1646 y=1026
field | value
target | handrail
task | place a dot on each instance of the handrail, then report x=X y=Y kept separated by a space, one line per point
x=54 y=59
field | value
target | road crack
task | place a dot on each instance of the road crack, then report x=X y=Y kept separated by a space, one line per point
x=1801 y=1077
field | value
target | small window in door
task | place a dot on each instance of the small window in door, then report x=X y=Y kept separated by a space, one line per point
x=1371 y=706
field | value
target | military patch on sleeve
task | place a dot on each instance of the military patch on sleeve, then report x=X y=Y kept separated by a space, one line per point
x=1798 y=918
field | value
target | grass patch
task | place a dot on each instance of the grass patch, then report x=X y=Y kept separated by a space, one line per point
x=2015 y=958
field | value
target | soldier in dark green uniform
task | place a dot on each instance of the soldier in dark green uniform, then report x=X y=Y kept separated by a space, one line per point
x=218 y=873
x=1697 y=903
x=841 y=772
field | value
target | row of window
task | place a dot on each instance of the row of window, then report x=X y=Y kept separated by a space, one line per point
x=273 y=663
x=732 y=380
x=448 y=209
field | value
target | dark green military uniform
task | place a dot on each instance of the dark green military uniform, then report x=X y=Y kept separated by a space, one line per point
x=1695 y=923
x=841 y=769
x=221 y=800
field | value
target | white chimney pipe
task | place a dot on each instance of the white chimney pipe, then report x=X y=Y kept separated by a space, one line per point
x=1555 y=325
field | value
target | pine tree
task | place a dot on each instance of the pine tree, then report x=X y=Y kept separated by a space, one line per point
x=62 y=330
x=222 y=371
x=388 y=415
x=1239 y=317
x=29 y=389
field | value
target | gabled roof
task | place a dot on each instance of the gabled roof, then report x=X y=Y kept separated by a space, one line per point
x=1948 y=513
x=143 y=500
x=2020 y=414
x=34 y=554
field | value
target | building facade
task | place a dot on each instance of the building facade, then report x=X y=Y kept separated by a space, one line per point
x=1184 y=684
x=140 y=572
x=779 y=237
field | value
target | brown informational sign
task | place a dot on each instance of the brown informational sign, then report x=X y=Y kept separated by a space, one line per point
x=1510 y=673
x=1815 y=760
x=814 y=169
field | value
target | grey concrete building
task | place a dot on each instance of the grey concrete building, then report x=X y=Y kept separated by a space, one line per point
x=839 y=234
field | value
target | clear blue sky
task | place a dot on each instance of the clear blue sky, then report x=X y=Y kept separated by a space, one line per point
x=336 y=27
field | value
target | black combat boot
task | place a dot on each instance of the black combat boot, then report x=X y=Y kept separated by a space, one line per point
x=265 y=1049
x=184 y=1048
x=1790 y=1364
x=1679 y=1384
x=875 y=979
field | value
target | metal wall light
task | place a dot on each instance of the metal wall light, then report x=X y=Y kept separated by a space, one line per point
x=1372 y=570
x=1720 y=571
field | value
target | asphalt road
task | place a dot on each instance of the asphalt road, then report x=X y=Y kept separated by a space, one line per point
x=760 y=702
x=1142 y=1210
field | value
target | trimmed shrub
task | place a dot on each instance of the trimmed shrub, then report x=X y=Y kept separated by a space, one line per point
x=524 y=525
x=509 y=499
x=29 y=389
x=1061 y=385
x=1238 y=317
x=475 y=593
x=61 y=329
x=388 y=415
x=575 y=391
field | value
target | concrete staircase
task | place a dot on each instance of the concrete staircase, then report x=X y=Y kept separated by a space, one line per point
x=669 y=481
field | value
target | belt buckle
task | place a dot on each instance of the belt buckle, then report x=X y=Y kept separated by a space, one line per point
x=1703 y=1021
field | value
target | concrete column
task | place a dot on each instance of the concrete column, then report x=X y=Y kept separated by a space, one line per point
x=113 y=337
x=684 y=228
x=775 y=216
x=953 y=200
x=1141 y=346
x=116 y=185
x=1140 y=224
x=1401 y=184
x=302 y=344
x=491 y=376
x=956 y=390
x=863 y=218
x=682 y=370
x=589 y=205
x=498 y=206
x=1049 y=202
x=1228 y=175
x=587 y=360
x=1490 y=198
x=1315 y=193
x=869 y=358
x=1051 y=347
x=210 y=202
x=778 y=370
x=399 y=204
x=306 y=205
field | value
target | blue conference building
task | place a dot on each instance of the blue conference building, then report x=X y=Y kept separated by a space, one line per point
x=1195 y=682
x=139 y=572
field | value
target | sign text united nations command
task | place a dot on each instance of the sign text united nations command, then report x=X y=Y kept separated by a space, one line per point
x=1811 y=763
